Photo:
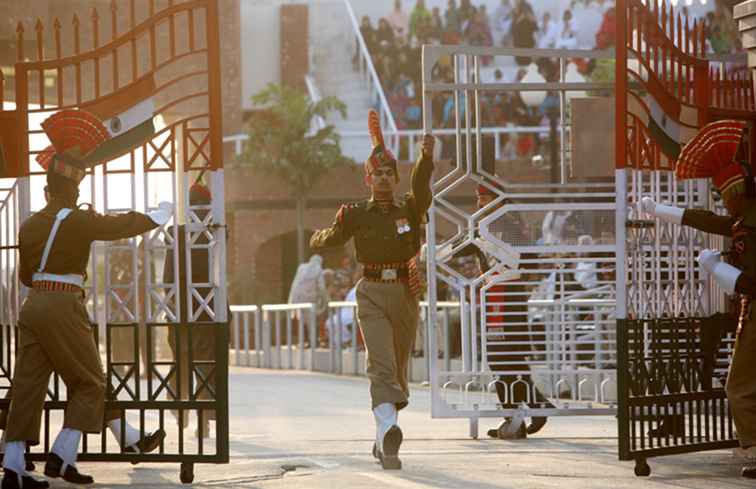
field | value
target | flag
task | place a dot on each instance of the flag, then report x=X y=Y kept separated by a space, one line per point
x=664 y=130
x=127 y=114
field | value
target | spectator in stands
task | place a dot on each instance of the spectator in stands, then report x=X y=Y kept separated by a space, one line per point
x=369 y=36
x=436 y=25
x=466 y=12
x=607 y=32
x=478 y=32
x=567 y=37
x=451 y=16
x=384 y=33
x=502 y=24
x=524 y=27
x=398 y=20
x=420 y=20
x=548 y=32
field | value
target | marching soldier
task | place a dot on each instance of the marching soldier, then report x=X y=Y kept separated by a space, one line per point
x=386 y=234
x=505 y=313
x=723 y=150
x=54 y=327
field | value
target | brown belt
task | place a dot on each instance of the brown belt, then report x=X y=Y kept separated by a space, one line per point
x=51 y=286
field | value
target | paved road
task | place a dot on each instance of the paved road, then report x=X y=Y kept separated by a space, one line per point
x=294 y=430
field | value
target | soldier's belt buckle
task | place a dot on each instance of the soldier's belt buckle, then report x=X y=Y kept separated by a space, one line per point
x=389 y=274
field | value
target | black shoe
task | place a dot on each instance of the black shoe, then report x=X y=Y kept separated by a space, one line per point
x=503 y=431
x=748 y=471
x=375 y=451
x=10 y=481
x=147 y=444
x=71 y=474
x=671 y=425
x=536 y=424
x=389 y=457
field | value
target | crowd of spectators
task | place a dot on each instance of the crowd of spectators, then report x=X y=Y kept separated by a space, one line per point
x=394 y=46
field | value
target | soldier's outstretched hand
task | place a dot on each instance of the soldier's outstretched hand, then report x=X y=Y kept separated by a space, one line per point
x=428 y=142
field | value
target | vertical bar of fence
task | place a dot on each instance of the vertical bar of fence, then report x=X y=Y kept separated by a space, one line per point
x=289 y=345
x=355 y=349
x=267 y=339
x=301 y=337
x=313 y=335
x=277 y=328
x=245 y=337
x=259 y=334
x=236 y=336
x=447 y=341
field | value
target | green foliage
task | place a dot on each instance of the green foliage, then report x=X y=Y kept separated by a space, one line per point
x=280 y=142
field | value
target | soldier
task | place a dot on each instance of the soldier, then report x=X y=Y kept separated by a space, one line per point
x=723 y=150
x=386 y=234
x=54 y=327
x=506 y=313
x=202 y=335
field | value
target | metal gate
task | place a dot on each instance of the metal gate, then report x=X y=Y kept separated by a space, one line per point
x=162 y=330
x=673 y=350
x=537 y=329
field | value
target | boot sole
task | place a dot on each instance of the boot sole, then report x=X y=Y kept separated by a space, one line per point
x=392 y=440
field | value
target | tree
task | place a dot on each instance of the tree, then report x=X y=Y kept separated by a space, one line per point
x=286 y=141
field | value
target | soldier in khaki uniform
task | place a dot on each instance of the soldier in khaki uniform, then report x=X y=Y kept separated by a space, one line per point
x=723 y=150
x=54 y=327
x=386 y=234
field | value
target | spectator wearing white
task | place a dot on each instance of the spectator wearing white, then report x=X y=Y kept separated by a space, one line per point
x=344 y=318
x=399 y=20
x=548 y=32
x=567 y=38
x=309 y=285
x=585 y=271
x=502 y=24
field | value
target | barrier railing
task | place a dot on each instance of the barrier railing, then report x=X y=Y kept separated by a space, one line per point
x=291 y=336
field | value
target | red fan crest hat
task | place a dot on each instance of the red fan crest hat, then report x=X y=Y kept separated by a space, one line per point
x=74 y=134
x=380 y=156
x=712 y=154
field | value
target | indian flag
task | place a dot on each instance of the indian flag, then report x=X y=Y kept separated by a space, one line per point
x=127 y=114
x=664 y=130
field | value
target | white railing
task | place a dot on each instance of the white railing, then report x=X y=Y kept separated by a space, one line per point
x=378 y=97
x=290 y=336
x=318 y=122
x=411 y=138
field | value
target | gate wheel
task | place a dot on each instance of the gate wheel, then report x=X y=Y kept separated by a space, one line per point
x=187 y=472
x=642 y=469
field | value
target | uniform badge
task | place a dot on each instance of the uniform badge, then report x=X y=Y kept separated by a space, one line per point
x=402 y=226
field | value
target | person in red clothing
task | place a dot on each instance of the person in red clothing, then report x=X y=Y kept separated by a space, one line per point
x=506 y=328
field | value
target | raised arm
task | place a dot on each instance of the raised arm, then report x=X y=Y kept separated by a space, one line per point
x=421 y=175
x=338 y=233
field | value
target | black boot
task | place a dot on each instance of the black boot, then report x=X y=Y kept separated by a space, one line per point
x=147 y=444
x=10 y=481
x=671 y=425
x=389 y=457
x=536 y=424
x=71 y=474
x=748 y=471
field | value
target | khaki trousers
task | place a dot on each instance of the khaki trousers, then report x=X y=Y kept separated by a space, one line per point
x=388 y=315
x=741 y=383
x=55 y=334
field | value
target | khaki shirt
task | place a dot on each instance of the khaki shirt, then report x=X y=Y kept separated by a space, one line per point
x=383 y=237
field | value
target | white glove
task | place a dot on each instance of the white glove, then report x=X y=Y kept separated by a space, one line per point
x=708 y=259
x=664 y=212
x=723 y=273
x=162 y=214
